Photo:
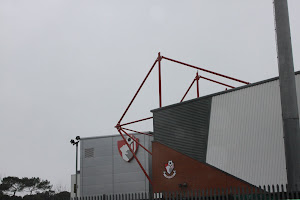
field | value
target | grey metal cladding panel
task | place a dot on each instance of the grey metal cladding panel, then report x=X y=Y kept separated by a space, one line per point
x=96 y=180
x=94 y=189
x=245 y=135
x=99 y=161
x=97 y=170
x=184 y=127
x=136 y=187
x=129 y=177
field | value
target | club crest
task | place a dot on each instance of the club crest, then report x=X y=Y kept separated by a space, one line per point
x=125 y=151
x=170 y=172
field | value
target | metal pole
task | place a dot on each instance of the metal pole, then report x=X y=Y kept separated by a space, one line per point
x=76 y=184
x=159 y=78
x=197 y=78
x=290 y=116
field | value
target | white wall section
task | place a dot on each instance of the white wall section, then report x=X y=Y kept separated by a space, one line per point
x=246 y=135
x=107 y=173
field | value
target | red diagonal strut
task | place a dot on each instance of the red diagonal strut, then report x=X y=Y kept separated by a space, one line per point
x=141 y=166
x=137 y=92
x=136 y=121
x=205 y=70
x=136 y=131
x=119 y=126
x=188 y=90
x=216 y=81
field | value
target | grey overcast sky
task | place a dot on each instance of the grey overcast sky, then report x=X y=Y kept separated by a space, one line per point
x=70 y=67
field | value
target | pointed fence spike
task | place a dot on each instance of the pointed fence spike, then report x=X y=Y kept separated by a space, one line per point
x=234 y=193
x=287 y=191
x=296 y=192
x=282 y=194
x=272 y=192
x=277 y=191
x=173 y=195
x=239 y=193
x=226 y=194
x=214 y=194
x=243 y=193
x=247 y=193
x=252 y=194
x=268 y=192
x=292 y=191
x=207 y=194
x=190 y=195
x=177 y=195
x=265 y=192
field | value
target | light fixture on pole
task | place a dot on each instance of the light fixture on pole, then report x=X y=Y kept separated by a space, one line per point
x=73 y=142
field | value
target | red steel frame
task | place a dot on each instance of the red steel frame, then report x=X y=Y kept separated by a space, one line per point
x=159 y=58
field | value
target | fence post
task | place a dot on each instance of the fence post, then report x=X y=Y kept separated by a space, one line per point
x=215 y=194
x=297 y=192
x=283 y=195
x=243 y=193
x=287 y=191
x=277 y=192
x=226 y=194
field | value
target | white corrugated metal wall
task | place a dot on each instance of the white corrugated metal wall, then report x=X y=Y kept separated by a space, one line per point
x=245 y=134
x=105 y=172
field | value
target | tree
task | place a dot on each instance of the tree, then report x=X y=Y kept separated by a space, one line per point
x=64 y=195
x=35 y=184
x=12 y=184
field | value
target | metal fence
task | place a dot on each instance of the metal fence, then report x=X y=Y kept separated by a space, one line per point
x=269 y=192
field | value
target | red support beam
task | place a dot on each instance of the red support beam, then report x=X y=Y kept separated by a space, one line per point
x=159 y=78
x=188 y=90
x=134 y=121
x=216 y=82
x=205 y=70
x=136 y=141
x=137 y=92
x=136 y=131
x=197 y=78
x=141 y=166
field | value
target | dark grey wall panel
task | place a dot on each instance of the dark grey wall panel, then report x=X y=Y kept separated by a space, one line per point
x=184 y=127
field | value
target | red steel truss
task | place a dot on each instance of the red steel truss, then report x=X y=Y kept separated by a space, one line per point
x=120 y=127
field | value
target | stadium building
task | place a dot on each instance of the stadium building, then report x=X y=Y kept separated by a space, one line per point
x=227 y=139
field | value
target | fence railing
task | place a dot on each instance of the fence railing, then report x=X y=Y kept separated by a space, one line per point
x=269 y=192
